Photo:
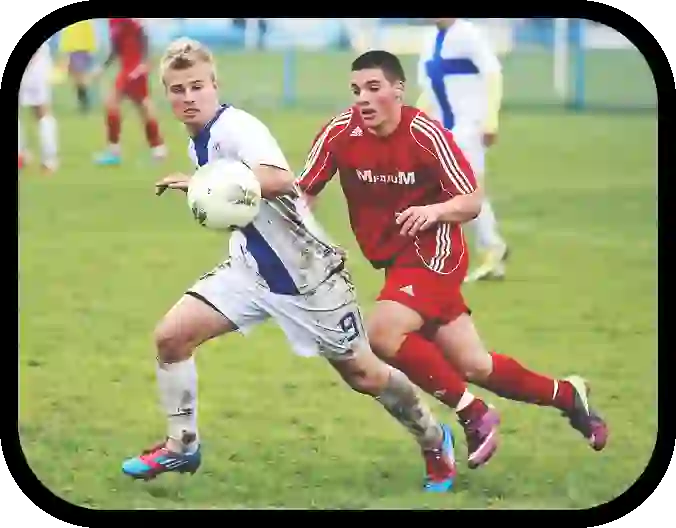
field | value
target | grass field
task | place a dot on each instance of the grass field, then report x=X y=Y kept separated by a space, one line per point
x=101 y=259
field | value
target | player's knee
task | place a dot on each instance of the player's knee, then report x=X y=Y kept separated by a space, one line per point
x=172 y=344
x=384 y=338
x=477 y=368
x=365 y=382
x=41 y=111
x=111 y=103
x=146 y=109
x=364 y=373
x=476 y=374
x=462 y=345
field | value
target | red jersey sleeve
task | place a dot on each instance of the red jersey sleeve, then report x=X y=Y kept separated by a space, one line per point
x=321 y=165
x=455 y=173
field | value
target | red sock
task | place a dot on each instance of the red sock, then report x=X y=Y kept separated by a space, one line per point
x=512 y=381
x=153 y=133
x=474 y=411
x=113 y=126
x=425 y=366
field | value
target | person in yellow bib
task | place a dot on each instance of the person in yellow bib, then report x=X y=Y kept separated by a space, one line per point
x=78 y=43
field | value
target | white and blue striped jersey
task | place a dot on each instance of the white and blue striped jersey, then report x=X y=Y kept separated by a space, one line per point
x=453 y=69
x=284 y=245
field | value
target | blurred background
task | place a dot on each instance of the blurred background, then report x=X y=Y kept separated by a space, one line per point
x=547 y=62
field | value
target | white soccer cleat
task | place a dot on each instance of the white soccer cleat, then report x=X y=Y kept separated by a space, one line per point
x=492 y=267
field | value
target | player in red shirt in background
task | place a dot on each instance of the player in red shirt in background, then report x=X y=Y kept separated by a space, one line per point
x=408 y=189
x=129 y=44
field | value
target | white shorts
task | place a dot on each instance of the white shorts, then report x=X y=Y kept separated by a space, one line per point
x=36 y=89
x=326 y=322
x=473 y=148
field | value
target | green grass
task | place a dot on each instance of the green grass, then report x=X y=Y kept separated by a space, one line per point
x=101 y=260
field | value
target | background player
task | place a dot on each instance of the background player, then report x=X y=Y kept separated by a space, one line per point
x=281 y=266
x=129 y=44
x=36 y=93
x=461 y=81
x=408 y=189
x=78 y=43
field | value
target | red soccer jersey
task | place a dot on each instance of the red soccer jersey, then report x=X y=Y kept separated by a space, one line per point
x=127 y=37
x=418 y=164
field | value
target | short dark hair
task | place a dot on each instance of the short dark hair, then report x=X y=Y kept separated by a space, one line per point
x=384 y=60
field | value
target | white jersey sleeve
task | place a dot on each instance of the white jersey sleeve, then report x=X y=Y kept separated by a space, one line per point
x=252 y=140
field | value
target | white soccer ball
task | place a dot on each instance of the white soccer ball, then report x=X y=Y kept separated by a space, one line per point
x=223 y=195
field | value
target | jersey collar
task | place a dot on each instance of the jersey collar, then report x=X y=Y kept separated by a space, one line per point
x=207 y=128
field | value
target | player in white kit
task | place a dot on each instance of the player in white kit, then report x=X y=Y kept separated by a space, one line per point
x=36 y=93
x=281 y=265
x=461 y=86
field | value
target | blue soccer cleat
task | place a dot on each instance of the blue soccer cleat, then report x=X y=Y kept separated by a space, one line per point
x=158 y=460
x=440 y=464
x=108 y=158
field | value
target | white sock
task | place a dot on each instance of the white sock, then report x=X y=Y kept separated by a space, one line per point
x=401 y=399
x=160 y=151
x=178 y=393
x=486 y=228
x=48 y=139
x=465 y=400
x=114 y=148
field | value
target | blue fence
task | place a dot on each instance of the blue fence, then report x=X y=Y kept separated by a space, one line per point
x=304 y=62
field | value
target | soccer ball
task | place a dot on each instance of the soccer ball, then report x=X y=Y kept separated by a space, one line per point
x=224 y=195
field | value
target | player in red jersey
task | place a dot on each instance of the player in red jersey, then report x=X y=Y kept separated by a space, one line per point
x=409 y=189
x=129 y=44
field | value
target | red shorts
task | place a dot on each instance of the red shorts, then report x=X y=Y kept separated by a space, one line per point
x=136 y=89
x=437 y=298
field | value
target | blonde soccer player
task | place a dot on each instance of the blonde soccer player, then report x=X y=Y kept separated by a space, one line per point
x=78 y=43
x=36 y=93
x=281 y=267
x=460 y=79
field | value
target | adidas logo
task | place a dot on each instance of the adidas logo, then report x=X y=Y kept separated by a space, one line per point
x=407 y=289
x=356 y=132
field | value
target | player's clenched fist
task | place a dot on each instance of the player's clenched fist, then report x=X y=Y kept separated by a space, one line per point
x=418 y=218
x=173 y=181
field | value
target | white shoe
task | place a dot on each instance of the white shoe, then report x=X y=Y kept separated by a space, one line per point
x=492 y=265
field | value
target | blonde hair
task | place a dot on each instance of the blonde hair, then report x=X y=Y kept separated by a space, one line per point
x=184 y=53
